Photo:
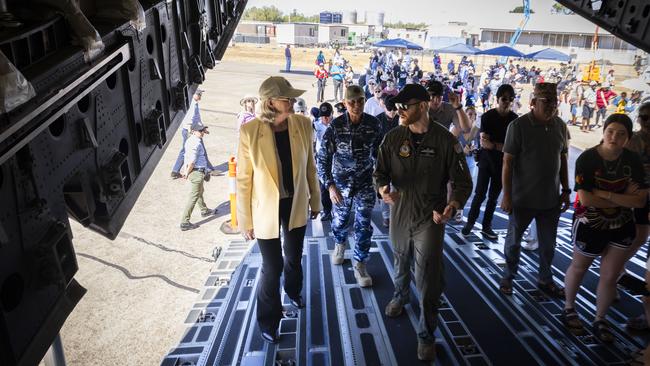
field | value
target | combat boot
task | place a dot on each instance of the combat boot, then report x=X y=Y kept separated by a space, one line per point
x=362 y=276
x=338 y=254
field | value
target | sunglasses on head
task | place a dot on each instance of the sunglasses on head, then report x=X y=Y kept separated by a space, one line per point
x=405 y=106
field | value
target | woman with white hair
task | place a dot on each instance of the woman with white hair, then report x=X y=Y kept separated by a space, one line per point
x=277 y=187
x=248 y=110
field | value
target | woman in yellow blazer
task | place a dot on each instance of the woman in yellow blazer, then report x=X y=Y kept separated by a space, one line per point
x=277 y=187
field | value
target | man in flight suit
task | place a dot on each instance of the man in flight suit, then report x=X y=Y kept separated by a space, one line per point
x=345 y=163
x=418 y=158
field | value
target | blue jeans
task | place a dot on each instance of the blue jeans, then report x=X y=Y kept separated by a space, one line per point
x=519 y=220
x=181 y=154
x=287 y=67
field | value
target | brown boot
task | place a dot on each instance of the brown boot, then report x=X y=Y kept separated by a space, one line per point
x=426 y=351
x=394 y=308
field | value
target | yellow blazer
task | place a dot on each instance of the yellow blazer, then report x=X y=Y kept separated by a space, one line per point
x=258 y=195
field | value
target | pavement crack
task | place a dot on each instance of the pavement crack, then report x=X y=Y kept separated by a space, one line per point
x=164 y=248
x=132 y=277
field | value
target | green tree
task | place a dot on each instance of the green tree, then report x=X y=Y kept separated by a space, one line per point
x=560 y=9
x=401 y=24
x=520 y=10
x=265 y=13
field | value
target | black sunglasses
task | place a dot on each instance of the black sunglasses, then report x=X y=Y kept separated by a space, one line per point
x=405 y=106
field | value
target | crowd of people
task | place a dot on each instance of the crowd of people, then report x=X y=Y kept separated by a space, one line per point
x=416 y=146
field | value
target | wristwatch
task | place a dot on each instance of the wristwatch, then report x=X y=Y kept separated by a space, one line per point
x=459 y=107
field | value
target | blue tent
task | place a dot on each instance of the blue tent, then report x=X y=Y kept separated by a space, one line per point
x=398 y=43
x=549 y=54
x=502 y=51
x=459 y=48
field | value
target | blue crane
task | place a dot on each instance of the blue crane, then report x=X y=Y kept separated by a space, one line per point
x=522 y=25
x=519 y=29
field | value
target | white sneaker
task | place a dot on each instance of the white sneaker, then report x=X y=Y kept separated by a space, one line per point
x=338 y=254
x=530 y=245
x=362 y=276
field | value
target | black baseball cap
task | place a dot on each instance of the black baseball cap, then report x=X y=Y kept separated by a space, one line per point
x=435 y=88
x=411 y=91
x=325 y=110
x=388 y=102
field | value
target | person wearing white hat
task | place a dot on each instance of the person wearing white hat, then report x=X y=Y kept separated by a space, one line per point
x=277 y=187
x=248 y=110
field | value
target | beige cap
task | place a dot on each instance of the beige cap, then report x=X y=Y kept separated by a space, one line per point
x=354 y=92
x=278 y=87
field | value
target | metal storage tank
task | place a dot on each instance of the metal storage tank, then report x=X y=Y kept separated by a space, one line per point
x=375 y=18
x=350 y=17
x=326 y=17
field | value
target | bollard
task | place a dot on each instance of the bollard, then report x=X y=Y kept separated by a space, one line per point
x=232 y=174
x=230 y=226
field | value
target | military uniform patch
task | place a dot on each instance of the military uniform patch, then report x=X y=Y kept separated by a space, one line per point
x=405 y=149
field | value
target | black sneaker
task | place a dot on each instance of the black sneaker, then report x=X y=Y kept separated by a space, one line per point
x=298 y=302
x=188 y=226
x=466 y=230
x=176 y=175
x=269 y=337
x=487 y=231
x=208 y=213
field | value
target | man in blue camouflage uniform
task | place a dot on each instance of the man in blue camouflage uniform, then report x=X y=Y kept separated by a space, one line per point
x=346 y=161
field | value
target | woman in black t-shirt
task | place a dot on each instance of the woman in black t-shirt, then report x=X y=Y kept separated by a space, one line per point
x=610 y=183
x=494 y=124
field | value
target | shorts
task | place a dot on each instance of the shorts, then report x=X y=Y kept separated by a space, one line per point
x=592 y=242
x=641 y=215
x=587 y=112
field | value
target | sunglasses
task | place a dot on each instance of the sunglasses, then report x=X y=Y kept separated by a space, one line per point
x=290 y=100
x=644 y=117
x=510 y=99
x=547 y=101
x=405 y=106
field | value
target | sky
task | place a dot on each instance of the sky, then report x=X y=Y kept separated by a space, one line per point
x=417 y=11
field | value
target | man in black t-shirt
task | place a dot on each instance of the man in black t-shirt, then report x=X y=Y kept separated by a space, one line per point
x=388 y=119
x=494 y=124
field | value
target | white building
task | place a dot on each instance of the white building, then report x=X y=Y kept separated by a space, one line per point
x=300 y=34
x=416 y=36
x=360 y=32
x=332 y=33
x=570 y=34
x=443 y=35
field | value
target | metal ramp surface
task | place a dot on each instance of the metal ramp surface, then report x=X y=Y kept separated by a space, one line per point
x=343 y=324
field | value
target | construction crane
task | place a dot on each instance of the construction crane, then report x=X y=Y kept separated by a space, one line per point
x=522 y=25
x=520 y=28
